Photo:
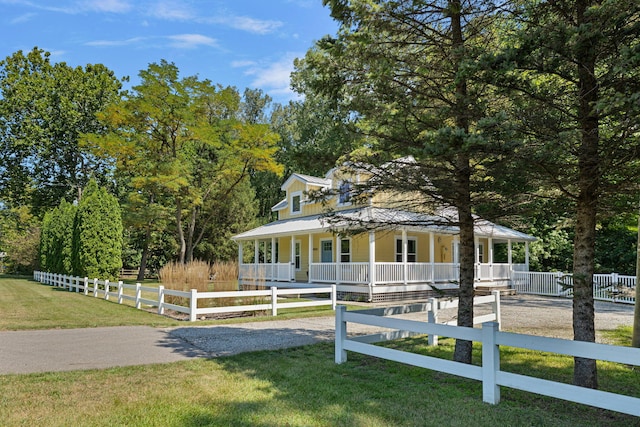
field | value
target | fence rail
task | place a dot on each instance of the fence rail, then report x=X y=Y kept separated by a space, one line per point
x=606 y=287
x=271 y=299
x=489 y=372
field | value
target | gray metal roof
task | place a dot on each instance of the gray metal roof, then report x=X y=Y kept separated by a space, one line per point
x=376 y=218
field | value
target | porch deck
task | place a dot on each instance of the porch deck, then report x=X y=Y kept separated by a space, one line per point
x=390 y=281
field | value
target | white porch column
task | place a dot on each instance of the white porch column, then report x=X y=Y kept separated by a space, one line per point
x=240 y=257
x=310 y=253
x=274 y=272
x=526 y=256
x=405 y=256
x=490 y=245
x=256 y=251
x=292 y=259
x=456 y=256
x=477 y=257
x=372 y=258
x=338 y=259
x=432 y=257
x=509 y=253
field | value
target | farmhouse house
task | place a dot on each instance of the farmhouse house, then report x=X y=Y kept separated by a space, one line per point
x=372 y=250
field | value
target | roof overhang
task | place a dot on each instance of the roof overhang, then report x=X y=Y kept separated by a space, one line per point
x=368 y=218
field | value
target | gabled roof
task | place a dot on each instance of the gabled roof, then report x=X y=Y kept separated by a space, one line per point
x=373 y=218
x=282 y=204
x=307 y=180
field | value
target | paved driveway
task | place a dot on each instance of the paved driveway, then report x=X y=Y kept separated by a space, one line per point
x=98 y=348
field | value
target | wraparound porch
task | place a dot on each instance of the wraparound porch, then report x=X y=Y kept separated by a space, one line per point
x=384 y=273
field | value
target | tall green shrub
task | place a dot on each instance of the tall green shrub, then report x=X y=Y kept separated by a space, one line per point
x=97 y=235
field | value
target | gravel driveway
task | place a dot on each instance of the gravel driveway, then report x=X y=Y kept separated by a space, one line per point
x=526 y=314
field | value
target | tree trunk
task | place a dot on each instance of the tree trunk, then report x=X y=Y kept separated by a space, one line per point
x=462 y=352
x=635 y=337
x=585 y=373
x=190 y=235
x=145 y=255
x=181 y=239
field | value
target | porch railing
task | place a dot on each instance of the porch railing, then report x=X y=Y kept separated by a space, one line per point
x=399 y=273
x=606 y=287
x=276 y=272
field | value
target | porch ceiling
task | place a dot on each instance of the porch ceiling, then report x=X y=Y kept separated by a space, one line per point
x=375 y=218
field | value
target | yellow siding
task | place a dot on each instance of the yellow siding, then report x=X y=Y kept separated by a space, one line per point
x=360 y=248
x=306 y=208
x=284 y=250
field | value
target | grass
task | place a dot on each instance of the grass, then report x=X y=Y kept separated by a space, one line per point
x=293 y=387
x=25 y=304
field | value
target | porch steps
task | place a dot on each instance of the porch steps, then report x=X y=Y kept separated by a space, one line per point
x=482 y=290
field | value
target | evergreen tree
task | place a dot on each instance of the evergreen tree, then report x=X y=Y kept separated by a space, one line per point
x=98 y=234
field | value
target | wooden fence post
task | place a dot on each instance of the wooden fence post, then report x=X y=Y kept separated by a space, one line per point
x=432 y=317
x=490 y=363
x=274 y=300
x=341 y=335
x=86 y=286
x=106 y=289
x=95 y=287
x=193 y=306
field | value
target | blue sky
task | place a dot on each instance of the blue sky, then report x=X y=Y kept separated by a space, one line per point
x=243 y=43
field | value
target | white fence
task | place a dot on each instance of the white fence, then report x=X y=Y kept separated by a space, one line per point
x=155 y=297
x=606 y=287
x=432 y=307
x=489 y=372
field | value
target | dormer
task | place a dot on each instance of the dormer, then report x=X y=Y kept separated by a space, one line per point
x=296 y=188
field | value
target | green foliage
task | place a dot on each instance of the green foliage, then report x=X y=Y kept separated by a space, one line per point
x=84 y=240
x=19 y=240
x=44 y=108
x=56 y=244
x=183 y=149
x=98 y=234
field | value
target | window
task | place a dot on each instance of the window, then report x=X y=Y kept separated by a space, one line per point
x=344 y=193
x=297 y=254
x=480 y=251
x=412 y=246
x=345 y=250
x=296 y=202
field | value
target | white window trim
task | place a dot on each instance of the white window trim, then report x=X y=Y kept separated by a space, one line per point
x=294 y=194
x=480 y=252
x=348 y=203
x=297 y=255
x=350 y=253
x=396 y=253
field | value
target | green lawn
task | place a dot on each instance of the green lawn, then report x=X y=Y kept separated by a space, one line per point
x=293 y=387
x=26 y=304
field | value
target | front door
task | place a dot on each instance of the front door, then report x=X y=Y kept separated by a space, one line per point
x=326 y=251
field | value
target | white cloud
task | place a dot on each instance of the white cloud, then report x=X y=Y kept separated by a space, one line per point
x=111 y=6
x=191 y=41
x=23 y=18
x=173 y=11
x=252 y=25
x=181 y=41
x=242 y=64
x=107 y=43
x=274 y=78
